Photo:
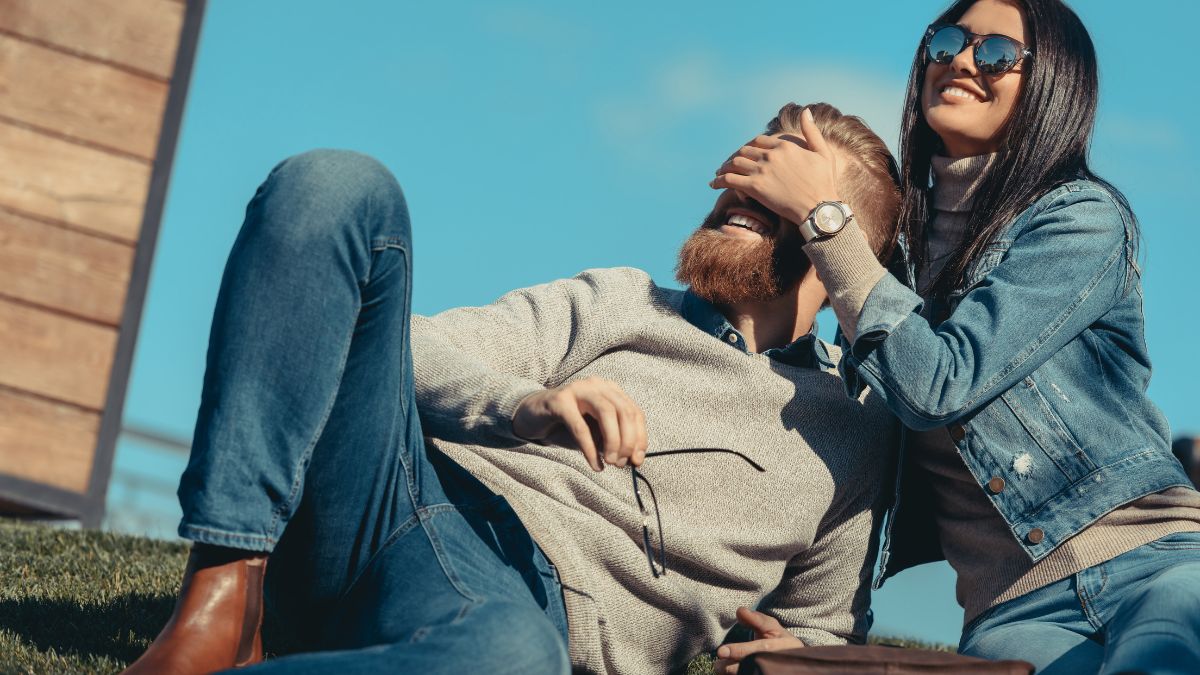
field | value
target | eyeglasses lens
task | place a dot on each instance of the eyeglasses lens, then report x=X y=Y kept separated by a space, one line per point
x=946 y=43
x=995 y=55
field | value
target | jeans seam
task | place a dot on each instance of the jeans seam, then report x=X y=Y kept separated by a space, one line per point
x=423 y=514
x=1089 y=601
x=401 y=530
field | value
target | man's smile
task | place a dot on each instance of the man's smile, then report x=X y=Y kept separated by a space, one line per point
x=748 y=223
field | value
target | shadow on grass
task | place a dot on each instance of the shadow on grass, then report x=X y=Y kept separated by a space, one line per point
x=120 y=629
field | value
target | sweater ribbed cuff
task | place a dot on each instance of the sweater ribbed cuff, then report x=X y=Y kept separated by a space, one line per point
x=849 y=269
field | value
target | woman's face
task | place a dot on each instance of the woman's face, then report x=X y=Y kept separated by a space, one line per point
x=964 y=107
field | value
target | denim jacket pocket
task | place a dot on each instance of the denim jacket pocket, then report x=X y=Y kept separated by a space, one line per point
x=1047 y=429
x=979 y=269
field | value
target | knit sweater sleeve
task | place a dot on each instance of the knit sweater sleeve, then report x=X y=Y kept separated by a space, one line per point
x=850 y=270
x=825 y=593
x=472 y=366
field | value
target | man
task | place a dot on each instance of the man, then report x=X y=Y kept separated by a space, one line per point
x=506 y=545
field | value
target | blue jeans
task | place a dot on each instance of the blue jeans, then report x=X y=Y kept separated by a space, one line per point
x=384 y=556
x=1137 y=613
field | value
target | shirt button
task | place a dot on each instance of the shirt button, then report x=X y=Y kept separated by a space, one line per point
x=732 y=337
x=996 y=485
x=957 y=432
x=1035 y=536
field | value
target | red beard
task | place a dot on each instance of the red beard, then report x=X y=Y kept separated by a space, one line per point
x=726 y=270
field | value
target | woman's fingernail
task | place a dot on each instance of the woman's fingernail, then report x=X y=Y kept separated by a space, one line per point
x=723 y=652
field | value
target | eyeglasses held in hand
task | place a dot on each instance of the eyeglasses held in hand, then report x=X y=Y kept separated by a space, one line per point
x=994 y=54
x=658 y=559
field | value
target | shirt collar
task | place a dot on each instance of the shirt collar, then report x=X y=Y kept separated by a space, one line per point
x=806 y=351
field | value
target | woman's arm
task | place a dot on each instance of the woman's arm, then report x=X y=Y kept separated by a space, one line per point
x=1066 y=268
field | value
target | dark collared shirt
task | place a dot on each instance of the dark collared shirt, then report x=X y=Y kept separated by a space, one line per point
x=804 y=352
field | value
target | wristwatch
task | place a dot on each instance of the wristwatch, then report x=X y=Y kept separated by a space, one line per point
x=825 y=220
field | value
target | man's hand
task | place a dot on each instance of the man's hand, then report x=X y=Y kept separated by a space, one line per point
x=787 y=174
x=770 y=637
x=592 y=415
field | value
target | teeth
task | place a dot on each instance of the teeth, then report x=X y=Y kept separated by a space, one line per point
x=752 y=224
x=960 y=93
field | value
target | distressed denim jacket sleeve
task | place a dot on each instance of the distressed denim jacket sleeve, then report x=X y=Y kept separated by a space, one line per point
x=1061 y=267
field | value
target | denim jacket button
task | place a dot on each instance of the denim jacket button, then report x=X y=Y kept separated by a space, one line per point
x=957 y=432
x=996 y=485
x=1035 y=536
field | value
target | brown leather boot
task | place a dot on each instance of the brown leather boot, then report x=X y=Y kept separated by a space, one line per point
x=217 y=620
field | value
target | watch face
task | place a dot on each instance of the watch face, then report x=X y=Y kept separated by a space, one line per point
x=829 y=218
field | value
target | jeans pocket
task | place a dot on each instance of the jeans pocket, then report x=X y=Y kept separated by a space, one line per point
x=1179 y=541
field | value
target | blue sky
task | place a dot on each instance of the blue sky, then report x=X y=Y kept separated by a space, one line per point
x=537 y=139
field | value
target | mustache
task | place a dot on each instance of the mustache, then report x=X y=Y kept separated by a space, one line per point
x=720 y=213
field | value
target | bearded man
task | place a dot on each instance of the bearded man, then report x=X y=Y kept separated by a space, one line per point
x=487 y=534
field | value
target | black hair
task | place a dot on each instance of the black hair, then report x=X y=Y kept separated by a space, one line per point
x=1044 y=142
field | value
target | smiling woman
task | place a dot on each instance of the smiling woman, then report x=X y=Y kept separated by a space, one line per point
x=1014 y=330
x=966 y=111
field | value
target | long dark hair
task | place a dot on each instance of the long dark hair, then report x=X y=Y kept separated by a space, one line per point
x=1045 y=140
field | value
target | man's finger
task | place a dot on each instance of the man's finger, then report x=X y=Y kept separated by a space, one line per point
x=764 y=625
x=628 y=418
x=816 y=142
x=597 y=406
x=725 y=667
x=573 y=420
x=643 y=444
x=737 y=651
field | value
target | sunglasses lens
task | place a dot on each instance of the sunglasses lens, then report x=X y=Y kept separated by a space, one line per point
x=946 y=43
x=996 y=55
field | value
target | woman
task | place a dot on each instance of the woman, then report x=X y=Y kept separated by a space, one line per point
x=1012 y=347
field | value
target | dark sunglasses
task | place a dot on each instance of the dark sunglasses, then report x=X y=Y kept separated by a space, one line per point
x=658 y=558
x=994 y=54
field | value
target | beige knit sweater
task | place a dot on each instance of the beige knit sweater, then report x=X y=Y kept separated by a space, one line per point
x=990 y=564
x=796 y=539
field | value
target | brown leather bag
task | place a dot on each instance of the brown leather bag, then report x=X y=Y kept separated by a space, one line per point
x=873 y=660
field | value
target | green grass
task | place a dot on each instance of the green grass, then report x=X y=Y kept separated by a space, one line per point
x=90 y=602
x=81 y=602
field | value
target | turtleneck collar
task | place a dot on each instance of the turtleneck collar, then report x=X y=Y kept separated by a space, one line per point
x=956 y=181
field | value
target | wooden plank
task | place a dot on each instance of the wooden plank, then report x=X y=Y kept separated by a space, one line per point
x=63 y=269
x=70 y=183
x=81 y=99
x=55 y=356
x=46 y=442
x=140 y=34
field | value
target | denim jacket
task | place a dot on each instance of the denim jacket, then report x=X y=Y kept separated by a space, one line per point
x=1039 y=370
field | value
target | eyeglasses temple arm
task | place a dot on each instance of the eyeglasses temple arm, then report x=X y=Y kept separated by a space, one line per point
x=661 y=453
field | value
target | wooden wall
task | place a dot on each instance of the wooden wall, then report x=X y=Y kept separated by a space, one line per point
x=91 y=93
